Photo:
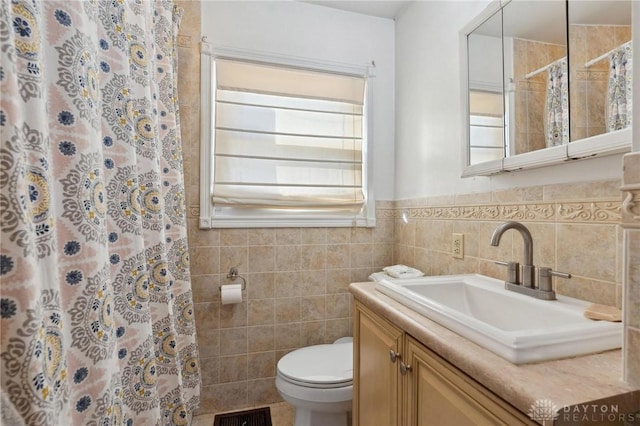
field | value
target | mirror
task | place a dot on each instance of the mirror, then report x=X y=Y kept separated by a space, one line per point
x=532 y=96
x=486 y=103
x=600 y=84
x=535 y=38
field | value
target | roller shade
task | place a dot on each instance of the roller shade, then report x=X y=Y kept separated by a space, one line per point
x=287 y=138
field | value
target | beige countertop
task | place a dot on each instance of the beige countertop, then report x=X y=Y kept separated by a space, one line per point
x=571 y=384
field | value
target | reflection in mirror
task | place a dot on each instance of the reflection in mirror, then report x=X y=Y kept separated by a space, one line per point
x=600 y=64
x=486 y=104
x=565 y=77
x=535 y=44
x=527 y=99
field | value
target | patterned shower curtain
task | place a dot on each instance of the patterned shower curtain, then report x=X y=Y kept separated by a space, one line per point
x=557 y=104
x=96 y=307
x=619 y=93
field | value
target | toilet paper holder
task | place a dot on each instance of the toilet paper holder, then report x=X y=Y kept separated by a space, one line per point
x=233 y=274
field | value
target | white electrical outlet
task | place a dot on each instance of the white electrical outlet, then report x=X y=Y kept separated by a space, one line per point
x=457 y=245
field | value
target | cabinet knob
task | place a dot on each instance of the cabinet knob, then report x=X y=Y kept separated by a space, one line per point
x=404 y=368
x=393 y=355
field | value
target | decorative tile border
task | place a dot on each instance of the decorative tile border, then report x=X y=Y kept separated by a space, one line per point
x=631 y=191
x=193 y=211
x=386 y=214
x=631 y=207
x=580 y=212
x=607 y=212
x=574 y=212
x=184 y=40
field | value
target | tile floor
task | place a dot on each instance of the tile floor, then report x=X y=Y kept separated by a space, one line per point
x=281 y=415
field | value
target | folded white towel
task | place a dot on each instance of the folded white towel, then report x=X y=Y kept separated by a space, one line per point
x=402 y=271
x=378 y=276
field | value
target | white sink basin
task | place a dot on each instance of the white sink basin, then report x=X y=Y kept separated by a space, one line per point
x=519 y=328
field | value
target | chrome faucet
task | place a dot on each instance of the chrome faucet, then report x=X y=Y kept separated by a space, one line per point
x=528 y=270
x=527 y=286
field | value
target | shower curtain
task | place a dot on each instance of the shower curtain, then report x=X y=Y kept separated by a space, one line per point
x=557 y=104
x=619 y=93
x=96 y=308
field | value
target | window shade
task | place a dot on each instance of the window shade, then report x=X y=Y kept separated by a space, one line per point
x=287 y=138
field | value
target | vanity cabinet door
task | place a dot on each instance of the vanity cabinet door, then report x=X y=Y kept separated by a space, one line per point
x=436 y=393
x=377 y=352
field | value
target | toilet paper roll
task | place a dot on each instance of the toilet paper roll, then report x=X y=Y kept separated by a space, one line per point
x=231 y=293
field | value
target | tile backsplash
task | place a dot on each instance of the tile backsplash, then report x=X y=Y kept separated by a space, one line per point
x=574 y=228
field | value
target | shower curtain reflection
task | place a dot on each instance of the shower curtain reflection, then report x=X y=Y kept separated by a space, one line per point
x=557 y=104
x=619 y=92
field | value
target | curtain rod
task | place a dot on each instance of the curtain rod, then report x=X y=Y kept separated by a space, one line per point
x=604 y=55
x=546 y=67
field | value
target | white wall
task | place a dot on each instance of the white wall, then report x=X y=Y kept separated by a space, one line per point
x=428 y=111
x=314 y=32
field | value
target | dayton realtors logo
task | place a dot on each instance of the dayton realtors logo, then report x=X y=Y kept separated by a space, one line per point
x=546 y=412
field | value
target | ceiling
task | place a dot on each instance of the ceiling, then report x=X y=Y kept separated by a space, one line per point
x=545 y=21
x=528 y=19
x=382 y=9
x=606 y=12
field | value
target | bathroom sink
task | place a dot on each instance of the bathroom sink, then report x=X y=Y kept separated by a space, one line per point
x=516 y=327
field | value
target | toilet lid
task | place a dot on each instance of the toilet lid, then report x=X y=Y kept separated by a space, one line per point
x=319 y=364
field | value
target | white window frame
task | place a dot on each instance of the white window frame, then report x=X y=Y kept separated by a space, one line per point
x=227 y=217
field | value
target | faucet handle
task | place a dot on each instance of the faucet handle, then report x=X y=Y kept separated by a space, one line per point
x=513 y=271
x=544 y=278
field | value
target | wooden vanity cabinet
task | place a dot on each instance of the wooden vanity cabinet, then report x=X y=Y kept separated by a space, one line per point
x=376 y=381
x=416 y=387
x=437 y=393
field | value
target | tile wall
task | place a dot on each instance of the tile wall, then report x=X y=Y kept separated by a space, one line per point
x=631 y=226
x=296 y=296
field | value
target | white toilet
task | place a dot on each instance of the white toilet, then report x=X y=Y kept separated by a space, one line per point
x=318 y=382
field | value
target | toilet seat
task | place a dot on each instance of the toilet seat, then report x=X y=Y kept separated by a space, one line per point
x=320 y=366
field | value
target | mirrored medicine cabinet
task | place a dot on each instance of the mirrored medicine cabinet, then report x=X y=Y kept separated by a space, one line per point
x=545 y=82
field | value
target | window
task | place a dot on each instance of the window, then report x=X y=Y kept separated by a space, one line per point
x=486 y=128
x=283 y=144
